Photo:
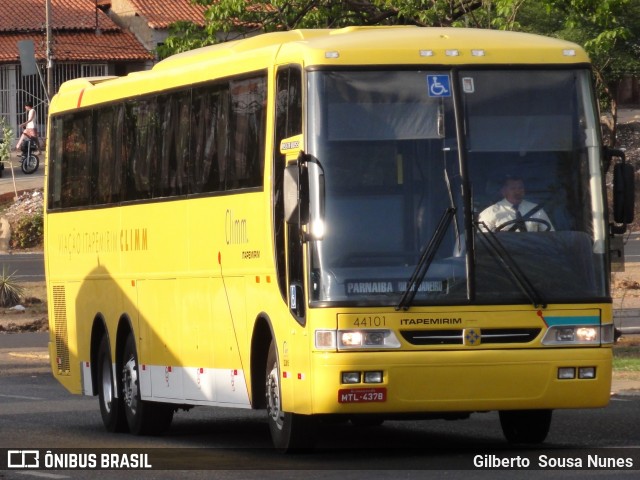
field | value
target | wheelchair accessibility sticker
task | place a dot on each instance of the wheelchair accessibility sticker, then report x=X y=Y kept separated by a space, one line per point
x=439 y=85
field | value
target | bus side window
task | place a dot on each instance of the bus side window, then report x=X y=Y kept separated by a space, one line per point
x=75 y=186
x=55 y=168
x=173 y=138
x=107 y=158
x=139 y=131
x=204 y=171
x=247 y=124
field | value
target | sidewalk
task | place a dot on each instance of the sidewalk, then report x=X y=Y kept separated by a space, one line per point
x=19 y=181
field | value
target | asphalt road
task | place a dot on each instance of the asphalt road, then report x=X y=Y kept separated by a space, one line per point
x=632 y=247
x=28 y=267
x=37 y=413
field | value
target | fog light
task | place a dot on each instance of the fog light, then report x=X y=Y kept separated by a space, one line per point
x=372 y=377
x=350 y=377
x=566 y=373
x=587 y=372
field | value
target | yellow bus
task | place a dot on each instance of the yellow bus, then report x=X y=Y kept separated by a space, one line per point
x=314 y=223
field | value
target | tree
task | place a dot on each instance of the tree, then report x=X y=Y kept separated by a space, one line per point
x=608 y=30
x=229 y=19
x=5 y=142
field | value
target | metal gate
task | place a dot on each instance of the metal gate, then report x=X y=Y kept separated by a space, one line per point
x=15 y=90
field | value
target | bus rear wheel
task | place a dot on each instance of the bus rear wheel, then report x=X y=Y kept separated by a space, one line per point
x=111 y=408
x=290 y=432
x=143 y=417
x=525 y=426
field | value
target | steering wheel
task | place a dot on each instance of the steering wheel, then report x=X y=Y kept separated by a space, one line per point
x=502 y=226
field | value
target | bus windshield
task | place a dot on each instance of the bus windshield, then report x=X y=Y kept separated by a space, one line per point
x=397 y=150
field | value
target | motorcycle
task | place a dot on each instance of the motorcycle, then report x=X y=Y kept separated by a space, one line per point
x=29 y=161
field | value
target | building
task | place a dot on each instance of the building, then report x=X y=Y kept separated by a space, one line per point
x=149 y=20
x=88 y=38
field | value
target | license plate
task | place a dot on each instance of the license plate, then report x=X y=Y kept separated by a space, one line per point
x=362 y=395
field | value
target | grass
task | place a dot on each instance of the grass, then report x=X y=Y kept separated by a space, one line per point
x=10 y=289
x=626 y=358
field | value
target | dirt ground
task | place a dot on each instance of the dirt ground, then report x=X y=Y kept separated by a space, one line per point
x=30 y=315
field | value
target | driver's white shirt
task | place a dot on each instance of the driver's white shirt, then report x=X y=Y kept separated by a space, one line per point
x=503 y=211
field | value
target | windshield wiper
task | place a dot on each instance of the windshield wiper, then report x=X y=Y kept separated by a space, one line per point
x=504 y=258
x=426 y=258
x=428 y=254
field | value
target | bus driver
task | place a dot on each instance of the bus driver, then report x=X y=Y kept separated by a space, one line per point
x=514 y=213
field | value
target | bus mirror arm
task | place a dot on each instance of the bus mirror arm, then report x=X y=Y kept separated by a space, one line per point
x=609 y=154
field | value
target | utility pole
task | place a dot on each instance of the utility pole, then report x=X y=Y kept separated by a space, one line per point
x=48 y=52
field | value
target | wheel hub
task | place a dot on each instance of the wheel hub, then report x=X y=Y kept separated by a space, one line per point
x=273 y=397
x=130 y=384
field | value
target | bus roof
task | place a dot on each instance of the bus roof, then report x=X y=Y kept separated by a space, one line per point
x=396 y=45
x=356 y=46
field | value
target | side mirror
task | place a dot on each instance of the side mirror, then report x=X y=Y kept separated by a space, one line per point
x=290 y=186
x=624 y=193
x=296 y=191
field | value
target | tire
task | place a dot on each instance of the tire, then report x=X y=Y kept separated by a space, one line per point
x=525 y=426
x=290 y=432
x=30 y=164
x=111 y=408
x=143 y=417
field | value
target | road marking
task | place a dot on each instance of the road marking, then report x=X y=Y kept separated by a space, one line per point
x=37 y=355
x=20 y=397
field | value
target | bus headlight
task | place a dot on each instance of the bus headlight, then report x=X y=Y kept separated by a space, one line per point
x=587 y=334
x=578 y=335
x=355 y=339
x=352 y=339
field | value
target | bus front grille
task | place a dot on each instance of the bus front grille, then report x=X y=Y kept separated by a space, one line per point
x=457 y=336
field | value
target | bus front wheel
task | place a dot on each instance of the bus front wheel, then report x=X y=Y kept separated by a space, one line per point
x=525 y=426
x=143 y=417
x=111 y=408
x=290 y=432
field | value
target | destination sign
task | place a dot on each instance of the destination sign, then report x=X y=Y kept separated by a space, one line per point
x=373 y=287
